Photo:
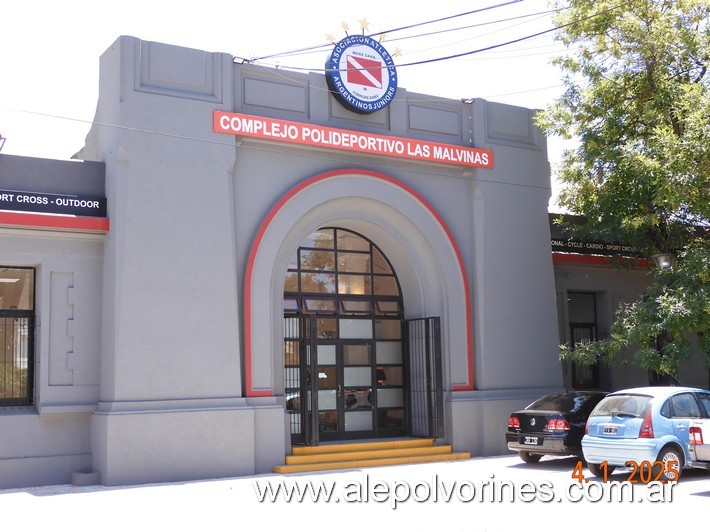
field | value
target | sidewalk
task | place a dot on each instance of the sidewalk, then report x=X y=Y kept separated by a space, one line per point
x=492 y=494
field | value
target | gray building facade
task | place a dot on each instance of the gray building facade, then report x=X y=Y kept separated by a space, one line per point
x=241 y=200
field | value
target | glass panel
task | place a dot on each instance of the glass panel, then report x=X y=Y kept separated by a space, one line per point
x=354 y=284
x=16 y=289
x=358 y=421
x=379 y=264
x=355 y=328
x=291 y=305
x=291 y=282
x=327 y=328
x=328 y=421
x=358 y=399
x=349 y=306
x=323 y=261
x=354 y=262
x=388 y=329
x=389 y=352
x=390 y=397
x=320 y=305
x=292 y=351
x=389 y=376
x=326 y=378
x=326 y=354
x=386 y=286
x=387 y=419
x=356 y=376
x=388 y=307
x=323 y=239
x=581 y=307
x=352 y=242
x=685 y=405
x=705 y=399
x=292 y=378
x=326 y=399
x=292 y=328
x=293 y=261
x=356 y=354
x=320 y=283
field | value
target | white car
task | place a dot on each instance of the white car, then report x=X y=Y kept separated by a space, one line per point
x=699 y=445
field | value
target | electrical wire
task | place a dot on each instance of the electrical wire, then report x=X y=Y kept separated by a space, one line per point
x=402 y=28
x=484 y=49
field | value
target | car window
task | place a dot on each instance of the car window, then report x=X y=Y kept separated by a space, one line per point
x=630 y=404
x=685 y=405
x=666 y=409
x=563 y=402
x=705 y=399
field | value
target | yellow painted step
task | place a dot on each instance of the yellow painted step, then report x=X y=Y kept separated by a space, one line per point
x=367 y=454
x=356 y=464
x=363 y=446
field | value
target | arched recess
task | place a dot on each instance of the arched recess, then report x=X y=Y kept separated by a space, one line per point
x=407 y=229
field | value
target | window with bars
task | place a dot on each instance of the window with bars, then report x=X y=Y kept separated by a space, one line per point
x=16 y=336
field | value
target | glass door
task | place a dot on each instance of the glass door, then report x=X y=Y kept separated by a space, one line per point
x=346 y=386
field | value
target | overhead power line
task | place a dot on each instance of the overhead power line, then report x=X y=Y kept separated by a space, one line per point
x=402 y=28
x=484 y=49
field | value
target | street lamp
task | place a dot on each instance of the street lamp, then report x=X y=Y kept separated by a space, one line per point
x=663 y=260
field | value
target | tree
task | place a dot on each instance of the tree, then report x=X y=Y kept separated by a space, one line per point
x=637 y=100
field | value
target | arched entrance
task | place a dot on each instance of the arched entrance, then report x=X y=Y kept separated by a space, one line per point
x=429 y=269
x=343 y=345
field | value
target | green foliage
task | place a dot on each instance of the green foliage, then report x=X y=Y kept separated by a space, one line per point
x=671 y=317
x=637 y=100
x=13 y=382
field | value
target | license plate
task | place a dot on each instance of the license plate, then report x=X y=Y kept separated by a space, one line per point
x=530 y=440
x=610 y=430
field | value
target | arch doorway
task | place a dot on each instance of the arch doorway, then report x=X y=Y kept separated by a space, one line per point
x=344 y=369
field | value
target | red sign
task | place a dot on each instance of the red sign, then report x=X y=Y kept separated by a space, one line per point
x=343 y=139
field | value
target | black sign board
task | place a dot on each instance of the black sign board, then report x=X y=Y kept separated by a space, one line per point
x=13 y=200
x=560 y=245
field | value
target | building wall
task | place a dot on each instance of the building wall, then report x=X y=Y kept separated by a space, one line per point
x=49 y=441
x=612 y=287
x=187 y=338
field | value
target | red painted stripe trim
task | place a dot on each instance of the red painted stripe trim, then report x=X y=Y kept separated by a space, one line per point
x=594 y=260
x=45 y=221
x=250 y=392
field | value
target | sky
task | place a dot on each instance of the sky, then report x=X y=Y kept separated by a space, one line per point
x=50 y=51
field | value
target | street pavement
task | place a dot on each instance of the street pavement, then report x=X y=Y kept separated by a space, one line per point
x=482 y=494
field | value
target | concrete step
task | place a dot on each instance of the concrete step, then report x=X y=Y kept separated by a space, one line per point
x=367 y=454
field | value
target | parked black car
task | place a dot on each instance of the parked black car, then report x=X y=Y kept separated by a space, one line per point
x=552 y=425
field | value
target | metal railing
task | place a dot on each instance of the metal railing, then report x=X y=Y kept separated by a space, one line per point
x=16 y=358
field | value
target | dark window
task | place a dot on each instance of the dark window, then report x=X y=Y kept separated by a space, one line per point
x=582 y=312
x=16 y=336
x=705 y=400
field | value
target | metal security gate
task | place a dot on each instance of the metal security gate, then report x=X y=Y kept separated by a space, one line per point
x=425 y=405
x=299 y=369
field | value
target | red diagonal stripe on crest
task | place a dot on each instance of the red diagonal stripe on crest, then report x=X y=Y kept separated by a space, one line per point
x=373 y=70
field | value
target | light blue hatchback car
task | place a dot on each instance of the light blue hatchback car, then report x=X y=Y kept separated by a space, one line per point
x=647 y=429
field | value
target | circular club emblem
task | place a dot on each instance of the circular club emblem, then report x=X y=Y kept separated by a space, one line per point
x=361 y=74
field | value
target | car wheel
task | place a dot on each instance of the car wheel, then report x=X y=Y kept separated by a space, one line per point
x=598 y=471
x=529 y=458
x=672 y=464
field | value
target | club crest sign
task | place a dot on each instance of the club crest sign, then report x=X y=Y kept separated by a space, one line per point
x=361 y=74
